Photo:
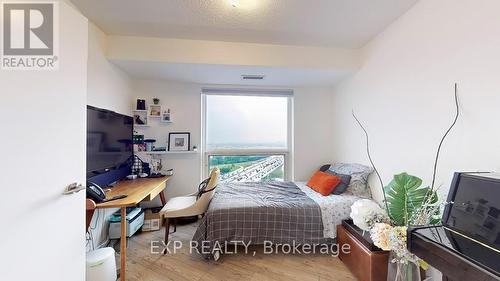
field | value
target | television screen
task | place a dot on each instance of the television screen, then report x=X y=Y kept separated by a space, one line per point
x=475 y=211
x=109 y=140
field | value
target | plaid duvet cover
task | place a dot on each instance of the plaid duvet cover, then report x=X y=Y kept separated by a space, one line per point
x=258 y=213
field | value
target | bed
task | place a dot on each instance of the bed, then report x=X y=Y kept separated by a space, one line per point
x=277 y=212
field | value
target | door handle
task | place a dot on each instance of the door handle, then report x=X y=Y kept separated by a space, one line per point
x=73 y=188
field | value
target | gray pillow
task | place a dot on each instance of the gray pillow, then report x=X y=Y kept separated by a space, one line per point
x=325 y=167
x=344 y=182
x=358 y=185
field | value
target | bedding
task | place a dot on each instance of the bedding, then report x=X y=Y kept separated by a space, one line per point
x=279 y=212
x=334 y=208
x=257 y=212
x=358 y=186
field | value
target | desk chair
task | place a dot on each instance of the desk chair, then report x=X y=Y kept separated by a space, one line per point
x=89 y=212
x=190 y=205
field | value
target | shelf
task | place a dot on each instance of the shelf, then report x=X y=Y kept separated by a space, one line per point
x=139 y=110
x=139 y=125
x=166 y=152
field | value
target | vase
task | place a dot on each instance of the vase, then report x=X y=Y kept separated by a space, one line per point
x=399 y=271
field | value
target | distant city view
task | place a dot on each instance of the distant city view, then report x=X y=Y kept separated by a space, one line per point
x=242 y=123
x=249 y=168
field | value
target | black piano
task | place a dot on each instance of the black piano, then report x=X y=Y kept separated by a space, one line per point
x=467 y=244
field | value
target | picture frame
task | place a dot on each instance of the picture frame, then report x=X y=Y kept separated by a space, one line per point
x=166 y=117
x=154 y=110
x=140 y=104
x=179 y=141
x=140 y=118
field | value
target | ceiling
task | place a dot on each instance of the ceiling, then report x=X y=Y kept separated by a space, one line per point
x=328 y=23
x=231 y=74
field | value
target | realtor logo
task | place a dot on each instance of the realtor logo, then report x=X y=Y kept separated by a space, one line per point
x=28 y=36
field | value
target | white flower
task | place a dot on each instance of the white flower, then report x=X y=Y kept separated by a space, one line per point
x=392 y=238
x=369 y=216
x=380 y=234
x=364 y=211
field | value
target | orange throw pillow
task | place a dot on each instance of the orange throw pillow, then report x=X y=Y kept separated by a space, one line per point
x=323 y=183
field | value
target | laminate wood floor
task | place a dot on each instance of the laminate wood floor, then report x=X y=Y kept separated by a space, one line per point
x=144 y=265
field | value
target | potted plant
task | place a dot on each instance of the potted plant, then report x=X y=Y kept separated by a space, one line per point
x=156 y=100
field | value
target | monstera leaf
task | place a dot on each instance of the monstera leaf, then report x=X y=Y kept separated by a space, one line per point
x=405 y=198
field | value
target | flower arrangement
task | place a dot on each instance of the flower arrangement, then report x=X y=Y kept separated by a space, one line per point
x=369 y=216
x=407 y=204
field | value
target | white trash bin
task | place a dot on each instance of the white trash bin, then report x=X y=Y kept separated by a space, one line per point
x=101 y=265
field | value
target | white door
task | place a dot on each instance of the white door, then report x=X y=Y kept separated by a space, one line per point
x=42 y=143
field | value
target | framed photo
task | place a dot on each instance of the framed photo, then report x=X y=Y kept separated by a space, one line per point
x=179 y=141
x=140 y=104
x=155 y=110
x=140 y=117
x=166 y=117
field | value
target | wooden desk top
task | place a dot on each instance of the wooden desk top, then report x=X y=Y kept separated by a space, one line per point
x=138 y=190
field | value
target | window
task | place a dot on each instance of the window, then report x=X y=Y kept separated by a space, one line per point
x=247 y=135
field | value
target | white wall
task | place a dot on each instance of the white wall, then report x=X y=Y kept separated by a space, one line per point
x=404 y=93
x=107 y=87
x=312 y=126
x=184 y=101
x=313 y=130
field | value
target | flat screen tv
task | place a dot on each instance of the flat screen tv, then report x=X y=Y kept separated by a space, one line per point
x=109 y=141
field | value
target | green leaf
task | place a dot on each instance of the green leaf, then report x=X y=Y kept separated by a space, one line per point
x=404 y=198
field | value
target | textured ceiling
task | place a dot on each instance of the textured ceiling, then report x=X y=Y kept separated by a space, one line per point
x=331 y=23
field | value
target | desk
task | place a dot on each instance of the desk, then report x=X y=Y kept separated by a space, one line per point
x=137 y=190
